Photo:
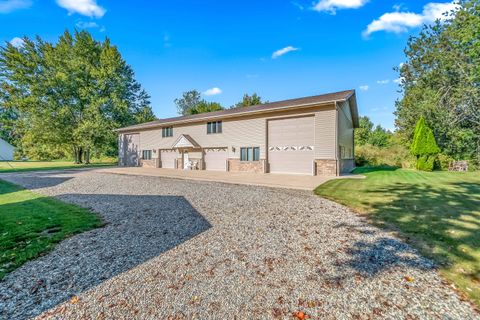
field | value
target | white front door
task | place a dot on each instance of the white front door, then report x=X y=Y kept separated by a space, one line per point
x=185 y=160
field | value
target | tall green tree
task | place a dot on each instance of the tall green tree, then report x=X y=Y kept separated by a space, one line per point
x=367 y=134
x=249 y=100
x=205 y=106
x=192 y=103
x=69 y=96
x=188 y=102
x=424 y=146
x=364 y=131
x=440 y=81
x=380 y=137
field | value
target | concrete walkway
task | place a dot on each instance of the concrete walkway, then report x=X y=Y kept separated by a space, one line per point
x=289 y=181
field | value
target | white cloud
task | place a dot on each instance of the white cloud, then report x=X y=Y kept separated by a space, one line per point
x=298 y=5
x=283 y=51
x=86 y=25
x=7 y=6
x=88 y=8
x=333 y=5
x=212 y=91
x=383 y=81
x=17 y=42
x=364 y=87
x=399 y=22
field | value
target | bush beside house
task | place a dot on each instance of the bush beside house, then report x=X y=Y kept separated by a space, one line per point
x=424 y=147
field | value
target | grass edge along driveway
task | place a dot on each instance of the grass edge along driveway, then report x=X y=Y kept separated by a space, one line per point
x=436 y=212
x=22 y=166
x=31 y=224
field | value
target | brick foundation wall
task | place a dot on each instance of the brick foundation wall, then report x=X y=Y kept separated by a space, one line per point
x=153 y=163
x=235 y=165
x=326 y=167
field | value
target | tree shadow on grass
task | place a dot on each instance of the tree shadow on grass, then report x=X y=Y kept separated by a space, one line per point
x=443 y=221
x=138 y=228
x=360 y=170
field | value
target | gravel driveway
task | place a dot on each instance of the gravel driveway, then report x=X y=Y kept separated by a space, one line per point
x=183 y=249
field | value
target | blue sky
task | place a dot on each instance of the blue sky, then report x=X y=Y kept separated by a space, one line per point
x=279 y=49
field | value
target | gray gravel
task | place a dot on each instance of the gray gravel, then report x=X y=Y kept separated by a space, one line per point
x=183 y=249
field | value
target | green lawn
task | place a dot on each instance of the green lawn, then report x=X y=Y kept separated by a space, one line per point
x=31 y=224
x=437 y=212
x=19 y=166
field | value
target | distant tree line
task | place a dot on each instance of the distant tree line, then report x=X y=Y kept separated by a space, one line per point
x=65 y=99
x=440 y=81
x=438 y=116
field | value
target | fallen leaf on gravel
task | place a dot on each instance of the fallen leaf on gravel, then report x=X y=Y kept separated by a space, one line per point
x=74 y=300
x=409 y=279
x=300 y=315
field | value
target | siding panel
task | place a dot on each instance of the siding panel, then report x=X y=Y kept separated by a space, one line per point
x=325 y=133
x=248 y=131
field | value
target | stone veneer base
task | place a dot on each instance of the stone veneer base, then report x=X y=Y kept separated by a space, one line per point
x=326 y=167
x=153 y=163
x=235 y=165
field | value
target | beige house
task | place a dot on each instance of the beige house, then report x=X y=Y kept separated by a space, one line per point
x=311 y=136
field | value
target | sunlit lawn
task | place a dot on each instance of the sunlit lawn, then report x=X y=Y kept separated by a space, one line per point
x=437 y=212
x=18 y=166
x=31 y=224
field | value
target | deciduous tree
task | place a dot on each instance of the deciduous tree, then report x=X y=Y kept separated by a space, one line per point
x=440 y=81
x=192 y=103
x=249 y=100
x=70 y=96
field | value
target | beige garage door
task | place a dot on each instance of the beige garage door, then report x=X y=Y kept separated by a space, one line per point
x=290 y=145
x=168 y=158
x=216 y=159
x=130 y=150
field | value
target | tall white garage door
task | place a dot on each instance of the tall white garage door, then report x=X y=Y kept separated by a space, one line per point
x=290 y=145
x=216 y=159
x=168 y=158
x=130 y=150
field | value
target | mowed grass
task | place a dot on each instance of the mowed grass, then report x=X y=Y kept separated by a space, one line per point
x=31 y=224
x=19 y=166
x=437 y=212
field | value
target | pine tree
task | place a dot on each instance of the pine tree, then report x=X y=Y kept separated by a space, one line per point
x=424 y=146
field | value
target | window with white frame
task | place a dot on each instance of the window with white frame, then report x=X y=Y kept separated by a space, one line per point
x=167 y=132
x=249 y=154
x=214 y=127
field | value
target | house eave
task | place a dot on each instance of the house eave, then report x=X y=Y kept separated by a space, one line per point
x=225 y=116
